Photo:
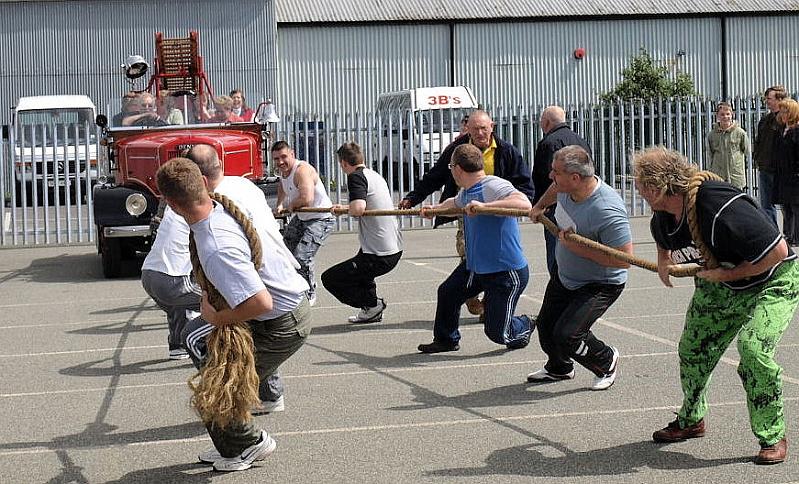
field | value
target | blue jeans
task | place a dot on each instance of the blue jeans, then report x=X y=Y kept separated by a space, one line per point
x=502 y=292
x=765 y=189
x=303 y=238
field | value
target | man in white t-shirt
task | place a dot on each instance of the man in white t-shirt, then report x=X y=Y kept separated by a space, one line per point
x=250 y=199
x=270 y=298
x=166 y=277
x=300 y=186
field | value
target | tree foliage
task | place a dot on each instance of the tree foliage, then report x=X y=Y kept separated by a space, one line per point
x=643 y=78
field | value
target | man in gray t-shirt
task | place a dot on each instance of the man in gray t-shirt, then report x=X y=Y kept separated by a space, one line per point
x=586 y=281
x=269 y=298
x=353 y=281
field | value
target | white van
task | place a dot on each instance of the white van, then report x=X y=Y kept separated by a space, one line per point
x=417 y=124
x=55 y=145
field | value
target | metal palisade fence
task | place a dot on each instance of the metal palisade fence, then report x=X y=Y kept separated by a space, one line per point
x=48 y=170
x=401 y=145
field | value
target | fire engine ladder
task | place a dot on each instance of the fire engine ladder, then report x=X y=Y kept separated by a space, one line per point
x=179 y=66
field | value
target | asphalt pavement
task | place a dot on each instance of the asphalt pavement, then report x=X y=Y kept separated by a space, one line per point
x=89 y=396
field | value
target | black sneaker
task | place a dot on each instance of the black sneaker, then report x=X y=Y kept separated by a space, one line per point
x=438 y=347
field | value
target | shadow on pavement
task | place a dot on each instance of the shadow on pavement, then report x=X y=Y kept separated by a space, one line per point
x=507 y=395
x=528 y=460
x=346 y=327
x=70 y=268
x=120 y=327
x=92 y=368
x=176 y=474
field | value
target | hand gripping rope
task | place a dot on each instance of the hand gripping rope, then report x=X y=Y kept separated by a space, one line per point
x=226 y=387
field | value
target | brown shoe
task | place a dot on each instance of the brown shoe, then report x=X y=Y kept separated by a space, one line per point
x=772 y=454
x=674 y=433
x=475 y=306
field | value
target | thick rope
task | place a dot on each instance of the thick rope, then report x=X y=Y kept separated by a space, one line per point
x=226 y=387
x=693 y=224
x=680 y=270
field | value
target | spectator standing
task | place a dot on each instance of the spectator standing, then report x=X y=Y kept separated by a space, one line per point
x=556 y=136
x=727 y=146
x=786 y=180
x=768 y=130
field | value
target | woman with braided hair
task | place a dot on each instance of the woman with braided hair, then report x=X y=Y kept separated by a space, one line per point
x=749 y=288
x=260 y=292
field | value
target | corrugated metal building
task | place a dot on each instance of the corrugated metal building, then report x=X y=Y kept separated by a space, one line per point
x=338 y=56
x=76 y=47
x=325 y=55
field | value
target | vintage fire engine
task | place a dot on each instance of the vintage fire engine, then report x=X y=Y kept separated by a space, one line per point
x=127 y=199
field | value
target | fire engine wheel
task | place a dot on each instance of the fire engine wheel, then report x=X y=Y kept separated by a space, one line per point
x=111 y=254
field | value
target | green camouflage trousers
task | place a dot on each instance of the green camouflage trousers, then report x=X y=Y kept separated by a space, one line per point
x=759 y=317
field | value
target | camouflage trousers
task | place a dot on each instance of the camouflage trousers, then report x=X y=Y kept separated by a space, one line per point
x=759 y=316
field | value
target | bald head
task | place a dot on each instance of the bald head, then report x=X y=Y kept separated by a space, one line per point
x=208 y=161
x=551 y=117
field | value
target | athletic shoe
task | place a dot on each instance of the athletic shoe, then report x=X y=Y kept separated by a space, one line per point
x=209 y=456
x=258 y=451
x=370 y=315
x=605 y=381
x=178 y=354
x=312 y=298
x=543 y=375
x=269 y=406
x=438 y=347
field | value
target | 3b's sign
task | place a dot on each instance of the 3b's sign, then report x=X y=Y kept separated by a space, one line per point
x=444 y=101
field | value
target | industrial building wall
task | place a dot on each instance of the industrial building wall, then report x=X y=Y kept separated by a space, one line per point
x=761 y=52
x=337 y=69
x=534 y=62
x=77 y=47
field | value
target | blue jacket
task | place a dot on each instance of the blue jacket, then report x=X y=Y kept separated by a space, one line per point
x=508 y=164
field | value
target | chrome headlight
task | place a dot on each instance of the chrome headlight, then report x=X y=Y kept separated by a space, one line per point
x=136 y=204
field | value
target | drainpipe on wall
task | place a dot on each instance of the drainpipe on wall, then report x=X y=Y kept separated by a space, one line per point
x=724 y=58
x=452 y=54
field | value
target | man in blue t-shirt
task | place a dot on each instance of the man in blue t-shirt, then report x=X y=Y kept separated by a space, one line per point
x=494 y=264
x=587 y=281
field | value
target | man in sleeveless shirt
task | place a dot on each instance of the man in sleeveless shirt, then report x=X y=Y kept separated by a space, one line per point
x=300 y=186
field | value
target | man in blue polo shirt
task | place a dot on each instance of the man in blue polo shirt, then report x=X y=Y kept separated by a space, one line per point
x=495 y=262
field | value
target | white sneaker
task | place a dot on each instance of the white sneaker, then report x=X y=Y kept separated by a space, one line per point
x=312 y=298
x=269 y=406
x=369 y=315
x=258 y=451
x=209 y=456
x=543 y=375
x=178 y=354
x=604 y=382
